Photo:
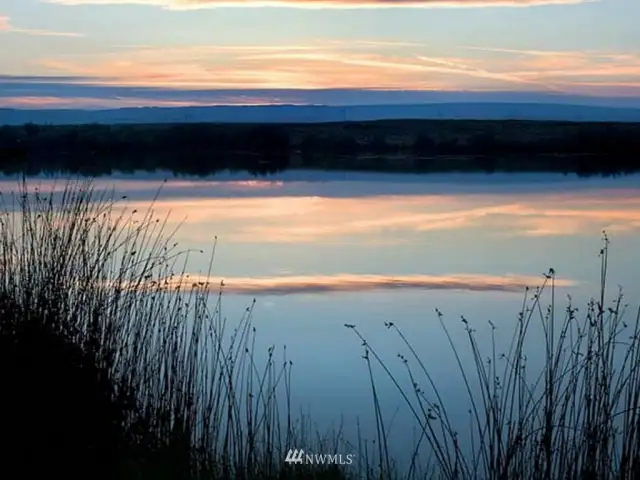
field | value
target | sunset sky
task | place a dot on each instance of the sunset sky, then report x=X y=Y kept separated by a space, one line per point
x=93 y=53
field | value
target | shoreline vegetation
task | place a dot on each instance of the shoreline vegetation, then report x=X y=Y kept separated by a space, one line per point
x=409 y=146
x=120 y=374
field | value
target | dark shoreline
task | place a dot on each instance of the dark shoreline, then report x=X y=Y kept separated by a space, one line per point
x=407 y=146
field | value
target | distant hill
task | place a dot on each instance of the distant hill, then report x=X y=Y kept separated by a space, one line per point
x=321 y=114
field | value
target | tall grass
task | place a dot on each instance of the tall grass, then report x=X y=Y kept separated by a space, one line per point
x=576 y=415
x=114 y=364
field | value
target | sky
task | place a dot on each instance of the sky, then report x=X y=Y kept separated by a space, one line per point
x=113 y=53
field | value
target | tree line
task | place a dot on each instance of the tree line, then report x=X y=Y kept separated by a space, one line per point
x=409 y=145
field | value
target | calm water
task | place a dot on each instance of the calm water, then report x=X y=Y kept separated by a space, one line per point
x=319 y=250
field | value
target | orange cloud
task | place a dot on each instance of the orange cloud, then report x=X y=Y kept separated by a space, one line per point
x=286 y=285
x=361 y=64
x=381 y=65
x=343 y=4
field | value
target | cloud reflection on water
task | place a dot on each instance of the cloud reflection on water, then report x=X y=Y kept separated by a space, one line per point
x=394 y=219
x=284 y=285
x=379 y=209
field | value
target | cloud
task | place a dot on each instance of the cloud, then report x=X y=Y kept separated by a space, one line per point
x=340 y=4
x=321 y=64
x=311 y=284
x=326 y=71
x=536 y=53
x=580 y=71
x=7 y=27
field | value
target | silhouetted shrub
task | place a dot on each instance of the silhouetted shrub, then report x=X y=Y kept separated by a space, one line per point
x=58 y=408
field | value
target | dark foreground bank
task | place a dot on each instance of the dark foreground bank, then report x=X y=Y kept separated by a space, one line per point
x=386 y=146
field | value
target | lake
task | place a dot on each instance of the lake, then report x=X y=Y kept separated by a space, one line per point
x=319 y=250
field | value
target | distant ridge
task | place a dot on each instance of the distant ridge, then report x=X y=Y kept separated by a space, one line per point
x=321 y=114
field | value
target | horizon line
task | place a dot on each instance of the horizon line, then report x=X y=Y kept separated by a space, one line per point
x=338 y=106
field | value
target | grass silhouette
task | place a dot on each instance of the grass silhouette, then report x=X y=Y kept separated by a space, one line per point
x=114 y=365
x=575 y=416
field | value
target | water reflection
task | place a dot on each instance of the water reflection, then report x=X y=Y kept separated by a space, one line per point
x=397 y=219
x=288 y=285
x=382 y=208
x=389 y=248
x=319 y=229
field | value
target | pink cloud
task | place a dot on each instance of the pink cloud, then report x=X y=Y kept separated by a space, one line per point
x=360 y=64
x=326 y=65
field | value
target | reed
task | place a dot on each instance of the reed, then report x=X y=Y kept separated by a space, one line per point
x=114 y=364
x=573 y=415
